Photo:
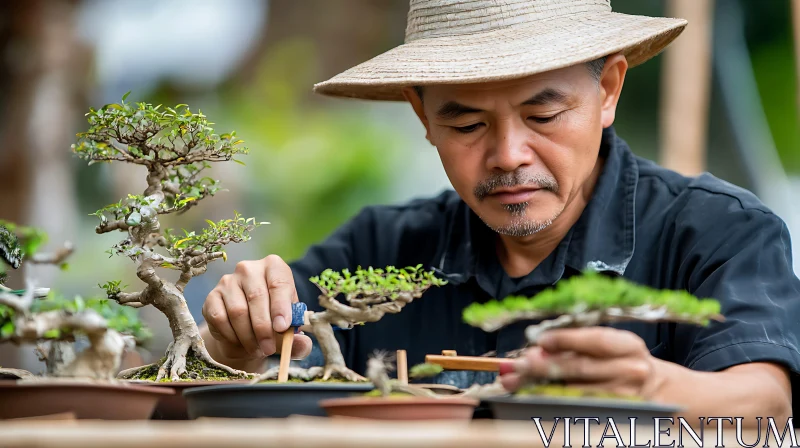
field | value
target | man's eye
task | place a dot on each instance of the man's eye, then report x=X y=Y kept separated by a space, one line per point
x=468 y=129
x=544 y=120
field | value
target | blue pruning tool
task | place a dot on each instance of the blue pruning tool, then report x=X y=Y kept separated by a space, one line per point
x=298 y=317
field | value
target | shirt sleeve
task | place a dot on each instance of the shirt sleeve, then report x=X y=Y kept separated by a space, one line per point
x=745 y=262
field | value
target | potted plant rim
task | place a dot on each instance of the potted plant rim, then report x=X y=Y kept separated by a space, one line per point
x=589 y=299
x=81 y=383
x=347 y=299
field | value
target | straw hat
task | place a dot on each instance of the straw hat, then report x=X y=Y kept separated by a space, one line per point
x=467 y=41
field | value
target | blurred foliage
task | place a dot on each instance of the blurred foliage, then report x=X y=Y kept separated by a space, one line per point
x=121 y=318
x=313 y=167
x=770 y=41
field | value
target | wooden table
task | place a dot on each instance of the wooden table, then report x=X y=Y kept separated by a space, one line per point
x=319 y=433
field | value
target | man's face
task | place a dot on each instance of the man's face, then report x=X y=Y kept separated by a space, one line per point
x=519 y=152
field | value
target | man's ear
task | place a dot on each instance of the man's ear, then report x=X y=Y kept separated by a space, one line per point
x=611 y=81
x=416 y=103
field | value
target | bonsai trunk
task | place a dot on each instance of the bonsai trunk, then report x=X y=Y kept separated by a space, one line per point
x=334 y=361
x=60 y=354
x=186 y=338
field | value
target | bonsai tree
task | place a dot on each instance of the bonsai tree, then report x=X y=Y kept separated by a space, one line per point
x=368 y=295
x=175 y=146
x=34 y=315
x=586 y=300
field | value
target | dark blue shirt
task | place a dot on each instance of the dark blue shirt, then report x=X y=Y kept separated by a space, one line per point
x=648 y=224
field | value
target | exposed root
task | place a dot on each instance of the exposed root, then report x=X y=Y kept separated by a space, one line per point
x=14 y=374
x=136 y=372
x=297 y=373
x=200 y=351
x=481 y=391
x=331 y=373
x=193 y=364
x=342 y=372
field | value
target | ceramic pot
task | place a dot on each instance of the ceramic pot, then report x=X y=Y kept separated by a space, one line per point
x=173 y=407
x=86 y=400
x=548 y=408
x=266 y=400
x=401 y=408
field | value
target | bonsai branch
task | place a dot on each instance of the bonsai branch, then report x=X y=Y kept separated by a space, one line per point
x=56 y=257
x=644 y=313
x=111 y=226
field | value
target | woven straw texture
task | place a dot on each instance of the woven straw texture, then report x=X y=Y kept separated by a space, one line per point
x=468 y=41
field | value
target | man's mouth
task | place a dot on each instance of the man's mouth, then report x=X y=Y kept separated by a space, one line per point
x=514 y=195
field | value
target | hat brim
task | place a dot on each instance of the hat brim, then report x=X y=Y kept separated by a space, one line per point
x=506 y=53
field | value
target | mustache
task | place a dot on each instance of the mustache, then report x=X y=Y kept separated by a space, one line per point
x=514 y=179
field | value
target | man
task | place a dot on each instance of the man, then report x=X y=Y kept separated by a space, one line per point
x=519 y=98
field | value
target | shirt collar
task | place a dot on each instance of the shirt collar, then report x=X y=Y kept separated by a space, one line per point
x=604 y=236
x=602 y=239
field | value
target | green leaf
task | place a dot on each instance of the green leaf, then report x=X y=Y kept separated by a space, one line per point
x=7 y=330
x=124 y=97
x=239 y=162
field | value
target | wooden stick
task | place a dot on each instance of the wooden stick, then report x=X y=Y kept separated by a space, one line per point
x=686 y=89
x=402 y=367
x=466 y=362
x=286 y=355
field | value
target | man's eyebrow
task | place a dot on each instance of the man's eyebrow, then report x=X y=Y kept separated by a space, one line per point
x=452 y=110
x=547 y=96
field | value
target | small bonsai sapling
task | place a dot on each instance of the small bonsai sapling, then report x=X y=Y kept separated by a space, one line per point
x=368 y=295
x=378 y=367
x=587 y=300
x=38 y=316
x=175 y=146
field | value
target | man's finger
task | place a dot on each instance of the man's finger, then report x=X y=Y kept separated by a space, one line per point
x=282 y=292
x=600 y=342
x=572 y=367
x=301 y=345
x=253 y=284
x=217 y=318
x=239 y=317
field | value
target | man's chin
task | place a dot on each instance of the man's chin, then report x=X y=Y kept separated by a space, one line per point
x=519 y=226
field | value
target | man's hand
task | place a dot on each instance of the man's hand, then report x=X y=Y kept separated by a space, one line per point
x=618 y=361
x=593 y=358
x=247 y=309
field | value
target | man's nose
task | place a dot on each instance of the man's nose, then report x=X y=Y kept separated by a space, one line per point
x=510 y=147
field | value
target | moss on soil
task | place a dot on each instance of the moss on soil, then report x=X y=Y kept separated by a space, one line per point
x=376 y=393
x=555 y=390
x=196 y=370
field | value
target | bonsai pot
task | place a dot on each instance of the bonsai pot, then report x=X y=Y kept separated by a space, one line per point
x=267 y=400
x=548 y=408
x=84 y=399
x=401 y=408
x=173 y=407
